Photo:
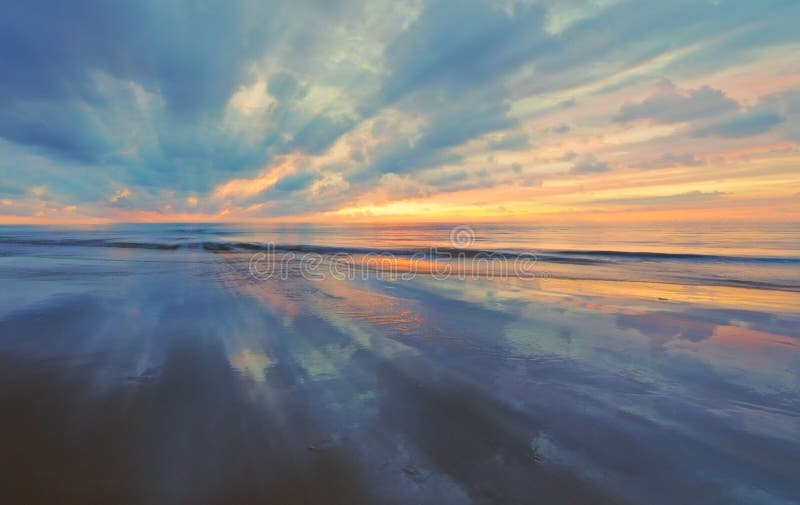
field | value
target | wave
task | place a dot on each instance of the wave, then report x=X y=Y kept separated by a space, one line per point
x=656 y=256
x=90 y=243
x=569 y=256
x=758 y=272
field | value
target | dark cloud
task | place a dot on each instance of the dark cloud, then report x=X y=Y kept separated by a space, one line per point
x=449 y=124
x=670 y=105
x=75 y=79
x=457 y=125
x=446 y=67
x=443 y=178
x=710 y=110
x=743 y=124
x=319 y=134
x=296 y=182
x=285 y=86
x=673 y=160
x=787 y=104
x=510 y=142
x=194 y=57
x=63 y=130
x=460 y=47
x=402 y=159
x=589 y=164
x=786 y=101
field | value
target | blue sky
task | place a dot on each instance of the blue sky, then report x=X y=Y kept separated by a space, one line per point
x=319 y=110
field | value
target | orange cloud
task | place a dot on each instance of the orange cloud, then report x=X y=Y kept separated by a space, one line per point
x=240 y=189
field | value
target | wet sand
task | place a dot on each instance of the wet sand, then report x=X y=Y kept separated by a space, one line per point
x=176 y=377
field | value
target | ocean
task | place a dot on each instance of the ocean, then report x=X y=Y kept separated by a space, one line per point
x=480 y=363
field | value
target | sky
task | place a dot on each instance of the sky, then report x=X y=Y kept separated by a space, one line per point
x=408 y=111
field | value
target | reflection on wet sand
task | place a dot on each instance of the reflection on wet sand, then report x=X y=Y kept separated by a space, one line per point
x=202 y=384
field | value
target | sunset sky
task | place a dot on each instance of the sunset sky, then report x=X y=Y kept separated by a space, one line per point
x=422 y=110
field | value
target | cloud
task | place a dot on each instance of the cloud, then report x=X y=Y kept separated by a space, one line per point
x=710 y=111
x=445 y=178
x=626 y=35
x=673 y=160
x=144 y=88
x=446 y=68
x=774 y=26
x=786 y=103
x=671 y=105
x=195 y=60
x=296 y=182
x=681 y=198
x=120 y=194
x=589 y=164
x=459 y=48
x=284 y=86
x=510 y=142
x=320 y=133
x=448 y=124
x=401 y=186
x=455 y=125
x=189 y=103
x=742 y=124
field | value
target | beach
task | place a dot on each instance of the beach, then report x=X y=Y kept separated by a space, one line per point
x=220 y=364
